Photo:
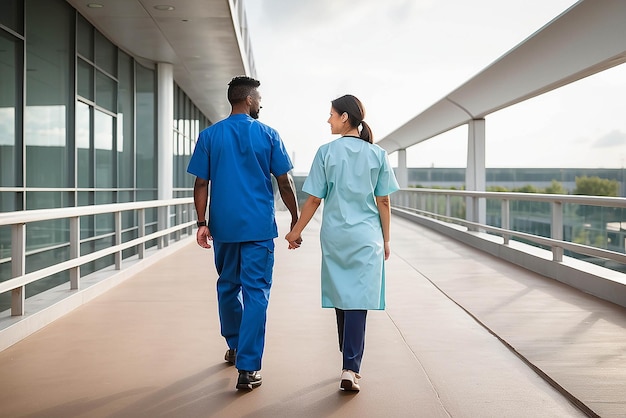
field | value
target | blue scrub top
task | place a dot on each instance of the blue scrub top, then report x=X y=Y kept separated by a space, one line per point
x=348 y=174
x=238 y=155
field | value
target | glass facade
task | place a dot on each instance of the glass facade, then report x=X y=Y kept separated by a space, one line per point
x=78 y=127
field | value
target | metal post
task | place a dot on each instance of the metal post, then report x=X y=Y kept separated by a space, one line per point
x=18 y=267
x=141 y=225
x=118 y=239
x=557 y=230
x=506 y=219
x=75 y=251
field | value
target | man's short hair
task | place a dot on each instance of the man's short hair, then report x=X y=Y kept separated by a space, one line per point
x=241 y=87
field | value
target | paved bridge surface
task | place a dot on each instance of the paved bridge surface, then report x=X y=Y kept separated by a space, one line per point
x=464 y=335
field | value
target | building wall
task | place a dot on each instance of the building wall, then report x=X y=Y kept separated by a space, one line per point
x=78 y=127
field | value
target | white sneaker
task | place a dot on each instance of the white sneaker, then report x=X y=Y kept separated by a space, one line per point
x=350 y=380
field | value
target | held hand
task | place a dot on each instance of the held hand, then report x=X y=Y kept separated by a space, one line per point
x=387 y=251
x=294 y=240
x=203 y=236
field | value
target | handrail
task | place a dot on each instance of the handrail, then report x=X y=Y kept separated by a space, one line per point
x=605 y=201
x=401 y=201
x=18 y=221
x=12 y=218
x=579 y=248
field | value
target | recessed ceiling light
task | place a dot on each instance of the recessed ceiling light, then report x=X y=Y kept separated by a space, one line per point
x=94 y=5
x=164 y=7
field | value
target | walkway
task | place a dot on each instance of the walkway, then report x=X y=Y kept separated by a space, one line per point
x=151 y=347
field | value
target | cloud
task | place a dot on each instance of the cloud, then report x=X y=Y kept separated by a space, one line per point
x=612 y=139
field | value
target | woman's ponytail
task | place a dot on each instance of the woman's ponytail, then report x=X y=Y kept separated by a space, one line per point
x=366 y=133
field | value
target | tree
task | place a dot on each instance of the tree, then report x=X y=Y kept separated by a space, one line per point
x=596 y=217
x=595 y=186
x=555 y=188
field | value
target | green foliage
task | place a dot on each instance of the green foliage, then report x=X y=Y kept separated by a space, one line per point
x=595 y=186
x=555 y=188
x=497 y=189
x=529 y=188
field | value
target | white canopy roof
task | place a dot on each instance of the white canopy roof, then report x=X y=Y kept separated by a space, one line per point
x=205 y=40
x=587 y=38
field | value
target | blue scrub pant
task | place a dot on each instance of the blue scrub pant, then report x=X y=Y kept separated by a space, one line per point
x=351 y=330
x=243 y=292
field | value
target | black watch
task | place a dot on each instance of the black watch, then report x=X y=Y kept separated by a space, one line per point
x=201 y=223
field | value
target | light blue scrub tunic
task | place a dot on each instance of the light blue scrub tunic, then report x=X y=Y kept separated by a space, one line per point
x=348 y=173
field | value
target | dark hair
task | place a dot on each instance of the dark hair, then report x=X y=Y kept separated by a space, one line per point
x=356 y=113
x=241 y=87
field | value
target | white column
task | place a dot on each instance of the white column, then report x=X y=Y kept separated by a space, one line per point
x=475 y=174
x=165 y=129
x=402 y=173
x=165 y=146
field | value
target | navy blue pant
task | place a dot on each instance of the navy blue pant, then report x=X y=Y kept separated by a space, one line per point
x=351 y=330
x=243 y=292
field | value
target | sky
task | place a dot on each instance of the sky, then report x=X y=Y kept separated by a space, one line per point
x=401 y=56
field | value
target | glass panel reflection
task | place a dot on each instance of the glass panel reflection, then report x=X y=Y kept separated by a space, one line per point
x=103 y=146
x=49 y=57
x=8 y=92
x=84 y=158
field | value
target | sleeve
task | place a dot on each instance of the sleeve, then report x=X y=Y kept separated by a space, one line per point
x=199 y=164
x=315 y=183
x=387 y=182
x=280 y=163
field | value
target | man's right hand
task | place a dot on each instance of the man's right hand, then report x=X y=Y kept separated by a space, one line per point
x=203 y=236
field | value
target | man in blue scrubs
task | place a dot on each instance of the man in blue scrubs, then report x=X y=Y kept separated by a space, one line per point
x=238 y=156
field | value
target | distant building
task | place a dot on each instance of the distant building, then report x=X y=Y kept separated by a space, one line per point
x=511 y=178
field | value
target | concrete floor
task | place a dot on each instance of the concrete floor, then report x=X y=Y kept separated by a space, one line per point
x=464 y=335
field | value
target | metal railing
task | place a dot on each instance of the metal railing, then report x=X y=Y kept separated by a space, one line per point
x=178 y=211
x=440 y=204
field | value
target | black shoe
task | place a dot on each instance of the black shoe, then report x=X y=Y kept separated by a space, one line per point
x=248 y=380
x=231 y=355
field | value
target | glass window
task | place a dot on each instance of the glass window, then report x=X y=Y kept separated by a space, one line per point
x=12 y=15
x=85 y=80
x=49 y=57
x=84 y=38
x=83 y=146
x=106 y=54
x=48 y=200
x=125 y=122
x=146 y=133
x=103 y=146
x=9 y=109
x=106 y=92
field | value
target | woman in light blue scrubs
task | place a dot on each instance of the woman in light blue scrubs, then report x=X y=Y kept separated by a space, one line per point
x=354 y=178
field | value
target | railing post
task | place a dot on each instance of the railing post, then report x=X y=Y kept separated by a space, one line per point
x=118 y=239
x=190 y=212
x=179 y=212
x=557 y=230
x=18 y=267
x=75 y=251
x=472 y=212
x=506 y=219
x=163 y=222
x=141 y=225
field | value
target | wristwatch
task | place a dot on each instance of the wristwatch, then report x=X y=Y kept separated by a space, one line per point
x=201 y=223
